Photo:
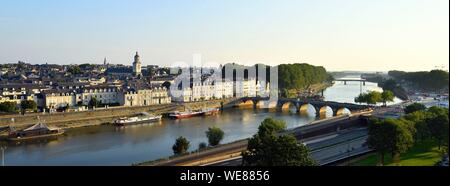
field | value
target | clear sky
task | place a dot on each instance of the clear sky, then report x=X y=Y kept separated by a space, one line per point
x=370 y=35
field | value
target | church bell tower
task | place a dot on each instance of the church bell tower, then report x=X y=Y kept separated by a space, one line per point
x=137 y=65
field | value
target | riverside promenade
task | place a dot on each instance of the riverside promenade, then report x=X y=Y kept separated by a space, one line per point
x=98 y=116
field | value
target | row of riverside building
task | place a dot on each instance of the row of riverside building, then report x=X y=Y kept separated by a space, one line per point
x=77 y=96
x=57 y=88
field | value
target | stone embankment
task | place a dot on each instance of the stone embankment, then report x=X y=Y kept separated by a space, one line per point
x=97 y=117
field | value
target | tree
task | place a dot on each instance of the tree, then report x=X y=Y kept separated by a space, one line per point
x=390 y=135
x=361 y=98
x=414 y=107
x=299 y=76
x=8 y=106
x=214 y=135
x=75 y=70
x=270 y=127
x=418 y=119
x=374 y=97
x=438 y=126
x=387 y=96
x=181 y=146
x=94 y=102
x=267 y=148
x=433 y=80
x=28 y=105
x=202 y=146
x=370 y=98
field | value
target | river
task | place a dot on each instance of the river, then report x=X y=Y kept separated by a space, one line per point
x=110 y=145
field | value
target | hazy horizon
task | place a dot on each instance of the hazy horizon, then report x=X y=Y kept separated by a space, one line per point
x=351 y=35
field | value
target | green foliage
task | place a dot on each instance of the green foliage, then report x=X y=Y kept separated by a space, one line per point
x=374 y=97
x=414 y=107
x=85 y=66
x=271 y=126
x=423 y=153
x=390 y=135
x=392 y=85
x=181 y=146
x=214 y=135
x=431 y=124
x=202 y=146
x=387 y=96
x=300 y=76
x=389 y=84
x=94 y=103
x=429 y=81
x=418 y=120
x=28 y=105
x=267 y=148
x=371 y=98
x=8 y=106
x=438 y=126
x=75 y=70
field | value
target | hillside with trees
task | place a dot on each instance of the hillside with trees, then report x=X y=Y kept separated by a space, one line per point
x=300 y=76
x=292 y=78
x=435 y=80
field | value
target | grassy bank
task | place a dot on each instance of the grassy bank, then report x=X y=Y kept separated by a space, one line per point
x=424 y=153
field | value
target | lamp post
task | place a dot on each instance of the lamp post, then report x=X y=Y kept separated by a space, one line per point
x=3 y=155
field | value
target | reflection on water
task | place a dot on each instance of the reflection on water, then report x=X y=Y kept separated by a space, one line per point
x=110 y=145
x=346 y=93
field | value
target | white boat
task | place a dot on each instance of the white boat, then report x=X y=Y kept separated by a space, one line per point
x=140 y=118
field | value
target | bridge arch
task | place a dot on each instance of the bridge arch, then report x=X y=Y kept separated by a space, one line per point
x=289 y=107
x=307 y=110
x=261 y=104
x=246 y=103
x=343 y=111
x=325 y=112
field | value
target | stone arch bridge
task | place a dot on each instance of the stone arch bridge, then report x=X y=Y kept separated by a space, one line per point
x=298 y=105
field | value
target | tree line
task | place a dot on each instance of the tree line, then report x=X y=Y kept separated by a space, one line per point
x=214 y=135
x=25 y=105
x=300 y=76
x=434 y=80
x=374 y=97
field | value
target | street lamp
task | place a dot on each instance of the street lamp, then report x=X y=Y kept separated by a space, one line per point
x=3 y=148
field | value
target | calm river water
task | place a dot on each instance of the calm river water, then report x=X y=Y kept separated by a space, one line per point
x=109 y=145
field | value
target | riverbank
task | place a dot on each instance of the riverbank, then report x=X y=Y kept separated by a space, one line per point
x=70 y=120
x=398 y=90
x=106 y=145
x=400 y=93
x=310 y=91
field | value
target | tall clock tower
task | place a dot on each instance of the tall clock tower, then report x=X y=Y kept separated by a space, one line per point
x=137 y=65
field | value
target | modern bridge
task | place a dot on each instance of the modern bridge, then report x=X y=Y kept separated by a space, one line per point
x=345 y=80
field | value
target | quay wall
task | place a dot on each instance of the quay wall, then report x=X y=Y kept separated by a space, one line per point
x=98 y=117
